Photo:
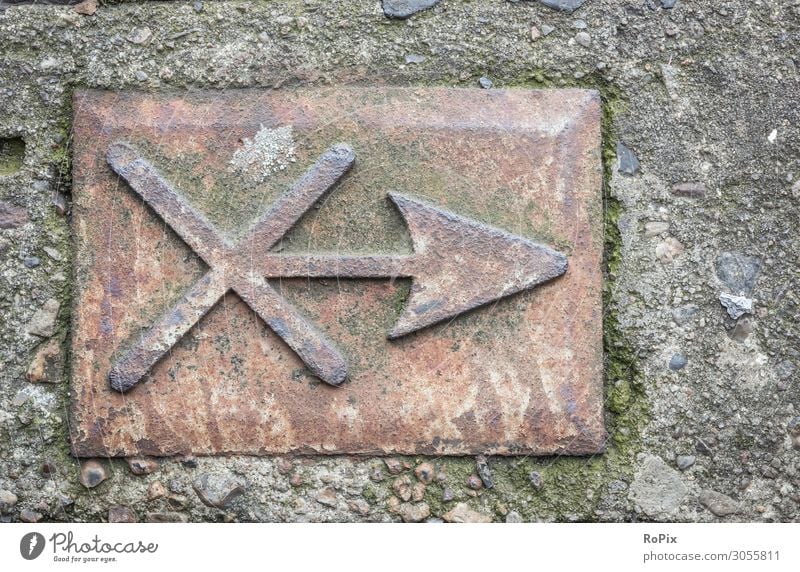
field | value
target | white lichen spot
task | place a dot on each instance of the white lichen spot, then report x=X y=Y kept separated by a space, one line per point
x=270 y=151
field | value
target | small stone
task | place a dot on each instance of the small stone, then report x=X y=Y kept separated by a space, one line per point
x=7 y=501
x=139 y=35
x=86 y=8
x=92 y=474
x=359 y=506
x=418 y=492
x=31 y=261
x=793 y=428
x=684 y=461
x=49 y=469
x=627 y=163
x=738 y=271
x=652 y=229
x=189 y=461
x=462 y=513
x=743 y=328
x=773 y=136
x=30 y=516
x=198 y=6
x=535 y=479
x=121 y=514
x=376 y=475
x=402 y=488
x=414 y=59
x=52 y=253
x=535 y=33
x=328 y=497
x=474 y=482
x=657 y=488
x=683 y=314
x=547 y=29
x=668 y=4
x=296 y=480
x=141 y=76
x=404 y=8
x=584 y=39
x=485 y=83
x=669 y=249
x=395 y=466
x=12 y=216
x=425 y=473
x=156 y=490
x=413 y=512
x=563 y=5
x=43 y=323
x=704 y=447
x=718 y=503
x=513 y=517
x=678 y=362
x=579 y=24
x=284 y=466
x=142 y=465
x=484 y=472
x=693 y=190
x=60 y=203
x=448 y=494
x=737 y=306
x=217 y=489
x=166 y=517
x=47 y=364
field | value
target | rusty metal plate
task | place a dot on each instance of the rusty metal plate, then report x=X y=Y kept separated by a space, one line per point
x=346 y=270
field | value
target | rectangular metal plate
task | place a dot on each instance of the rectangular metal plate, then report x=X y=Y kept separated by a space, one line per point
x=217 y=231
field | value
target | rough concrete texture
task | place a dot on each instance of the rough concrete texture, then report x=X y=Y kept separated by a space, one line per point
x=702 y=93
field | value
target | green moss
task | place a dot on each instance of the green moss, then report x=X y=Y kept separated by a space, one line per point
x=12 y=154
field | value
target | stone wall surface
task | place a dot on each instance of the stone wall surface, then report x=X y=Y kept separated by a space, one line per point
x=701 y=132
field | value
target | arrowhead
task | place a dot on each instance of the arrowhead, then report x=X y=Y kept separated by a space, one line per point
x=461 y=264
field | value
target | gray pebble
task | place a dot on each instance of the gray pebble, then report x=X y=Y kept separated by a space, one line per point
x=563 y=5
x=198 y=6
x=141 y=76
x=684 y=461
x=718 y=503
x=414 y=59
x=584 y=39
x=7 y=501
x=43 y=322
x=627 y=163
x=406 y=8
x=535 y=479
x=668 y=3
x=484 y=472
x=738 y=271
x=546 y=29
x=485 y=82
x=31 y=261
x=678 y=361
x=737 y=306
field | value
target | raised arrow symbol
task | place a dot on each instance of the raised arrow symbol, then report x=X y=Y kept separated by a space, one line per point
x=458 y=264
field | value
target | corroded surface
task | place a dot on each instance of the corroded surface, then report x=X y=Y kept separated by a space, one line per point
x=522 y=375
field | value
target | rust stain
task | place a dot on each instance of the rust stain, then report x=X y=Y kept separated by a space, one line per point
x=218 y=343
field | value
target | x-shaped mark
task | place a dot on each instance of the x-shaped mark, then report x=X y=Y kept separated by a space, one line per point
x=232 y=267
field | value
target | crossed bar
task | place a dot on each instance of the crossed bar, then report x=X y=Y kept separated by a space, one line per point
x=231 y=267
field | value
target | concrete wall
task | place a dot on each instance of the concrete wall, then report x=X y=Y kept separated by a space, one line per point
x=701 y=407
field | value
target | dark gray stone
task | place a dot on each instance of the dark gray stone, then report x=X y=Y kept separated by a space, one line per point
x=31 y=261
x=535 y=477
x=406 y=8
x=738 y=271
x=484 y=472
x=563 y=5
x=668 y=3
x=627 y=163
x=678 y=361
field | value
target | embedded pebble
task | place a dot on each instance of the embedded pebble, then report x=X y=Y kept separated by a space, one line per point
x=485 y=83
x=142 y=465
x=535 y=478
x=217 y=489
x=677 y=362
x=30 y=516
x=669 y=249
x=463 y=513
x=404 y=8
x=655 y=228
x=92 y=474
x=484 y=472
x=12 y=216
x=684 y=461
x=627 y=162
x=328 y=497
x=121 y=514
x=693 y=190
x=43 y=323
x=425 y=472
x=474 y=482
x=7 y=501
x=410 y=512
x=718 y=503
x=737 y=306
x=584 y=39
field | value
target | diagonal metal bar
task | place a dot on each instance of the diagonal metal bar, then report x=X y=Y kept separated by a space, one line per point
x=172 y=326
x=193 y=228
x=294 y=203
x=316 y=351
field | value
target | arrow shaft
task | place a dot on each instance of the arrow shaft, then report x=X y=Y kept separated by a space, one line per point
x=305 y=266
